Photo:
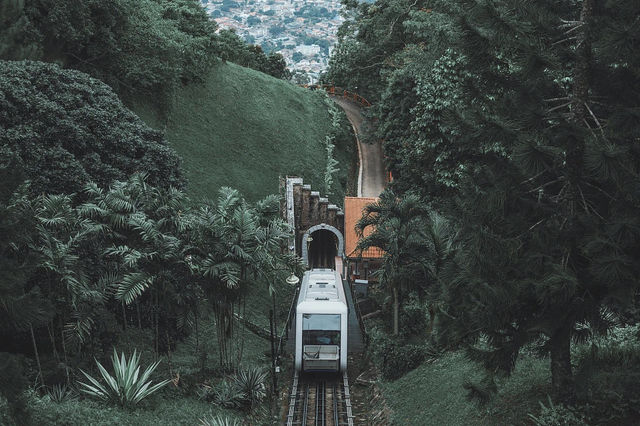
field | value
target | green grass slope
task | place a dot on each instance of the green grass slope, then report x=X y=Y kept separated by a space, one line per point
x=243 y=129
x=433 y=394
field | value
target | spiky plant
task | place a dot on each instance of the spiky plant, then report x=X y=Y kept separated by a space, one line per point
x=61 y=393
x=251 y=382
x=127 y=387
x=219 y=421
x=227 y=394
x=556 y=415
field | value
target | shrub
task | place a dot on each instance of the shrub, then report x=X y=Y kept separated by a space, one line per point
x=12 y=388
x=393 y=357
x=68 y=129
x=228 y=395
x=608 y=375
x=557 y=415
x=413 y=317
x=127 y=388
x=246 y=388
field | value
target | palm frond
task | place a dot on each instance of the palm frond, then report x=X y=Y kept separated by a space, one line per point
x=133 y=285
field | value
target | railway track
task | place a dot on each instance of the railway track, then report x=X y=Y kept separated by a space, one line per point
x=320 y=400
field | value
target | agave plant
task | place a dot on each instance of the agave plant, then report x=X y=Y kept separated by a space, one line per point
x=251 y=382
x=60 y=393
x=128 y=387
x=219 y=421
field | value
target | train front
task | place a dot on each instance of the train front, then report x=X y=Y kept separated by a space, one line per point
x=321 y=323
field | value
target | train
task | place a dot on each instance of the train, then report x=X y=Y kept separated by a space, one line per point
x=321 y=323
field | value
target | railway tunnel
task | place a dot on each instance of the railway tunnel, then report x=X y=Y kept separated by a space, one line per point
x=323 y=249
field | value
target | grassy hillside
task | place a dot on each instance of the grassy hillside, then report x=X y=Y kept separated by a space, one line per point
x=244 y=129
x=433 y=394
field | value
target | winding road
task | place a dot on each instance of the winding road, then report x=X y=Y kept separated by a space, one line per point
x=372 y=175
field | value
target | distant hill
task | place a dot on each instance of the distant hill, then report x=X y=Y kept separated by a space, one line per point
x=243 y=129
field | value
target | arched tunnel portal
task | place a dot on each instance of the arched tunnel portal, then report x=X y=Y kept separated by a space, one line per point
x=320 y=246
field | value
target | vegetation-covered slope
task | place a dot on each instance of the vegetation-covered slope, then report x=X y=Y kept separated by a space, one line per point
x=514 y=128
x=433 y=394
x=68 y=128
x=243 y=129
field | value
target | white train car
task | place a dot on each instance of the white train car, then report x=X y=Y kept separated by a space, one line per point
x=321 y=322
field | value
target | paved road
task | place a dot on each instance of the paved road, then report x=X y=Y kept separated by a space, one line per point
x=372 y=176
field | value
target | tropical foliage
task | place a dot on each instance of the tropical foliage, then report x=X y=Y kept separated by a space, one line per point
x=518 y=125
x=136 y=47
x=135 y=256
x=127 y=386
x=68 y=129
x=417 y=245
x=236 y=245
x=219 y=421
x=252 y=383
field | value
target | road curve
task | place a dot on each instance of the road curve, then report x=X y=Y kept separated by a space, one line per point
x=372 y=176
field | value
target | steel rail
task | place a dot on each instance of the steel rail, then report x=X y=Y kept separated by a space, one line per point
x=336 y=415
x=347 y=399
x=293 y=399
x=300 y=402
x=305 y=405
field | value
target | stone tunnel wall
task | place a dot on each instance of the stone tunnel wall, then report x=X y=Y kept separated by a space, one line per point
x=303 y=208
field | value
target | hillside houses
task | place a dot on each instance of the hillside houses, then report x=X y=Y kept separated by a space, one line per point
x=303 y=32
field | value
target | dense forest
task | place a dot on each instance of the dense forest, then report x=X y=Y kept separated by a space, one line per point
x=510 y=230
x=135 y=47
x=104 y=257
x=512 y=130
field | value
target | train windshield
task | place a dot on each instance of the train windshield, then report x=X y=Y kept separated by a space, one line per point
x=320 y=329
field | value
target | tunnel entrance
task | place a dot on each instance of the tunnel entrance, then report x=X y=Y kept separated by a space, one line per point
x=327 y=243
x=323 y=249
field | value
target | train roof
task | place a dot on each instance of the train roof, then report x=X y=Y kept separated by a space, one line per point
x=322 y=291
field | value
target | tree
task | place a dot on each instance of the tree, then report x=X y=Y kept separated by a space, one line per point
x=19 y=306
x=397 y=227
x=234 y=246
x=542 y=252
x=367 y=41
x=140 y=46
x=18 y=37
x=513 y=121
x=68 y=129
x=230 y=47
x=145 y=225
x=22 y=307
x=61 y=268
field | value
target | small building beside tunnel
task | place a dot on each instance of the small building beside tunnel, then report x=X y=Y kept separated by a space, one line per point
x=359 y=264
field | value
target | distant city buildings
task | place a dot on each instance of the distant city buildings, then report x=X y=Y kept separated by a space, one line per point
x=302 y=31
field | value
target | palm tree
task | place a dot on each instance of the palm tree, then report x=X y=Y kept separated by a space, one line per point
x=61 y=243
x=144 y=224
x=21 y=308
x=235 y=245
x=399 y=228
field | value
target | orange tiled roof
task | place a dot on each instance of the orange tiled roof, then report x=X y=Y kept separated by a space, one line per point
x=353 y=208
